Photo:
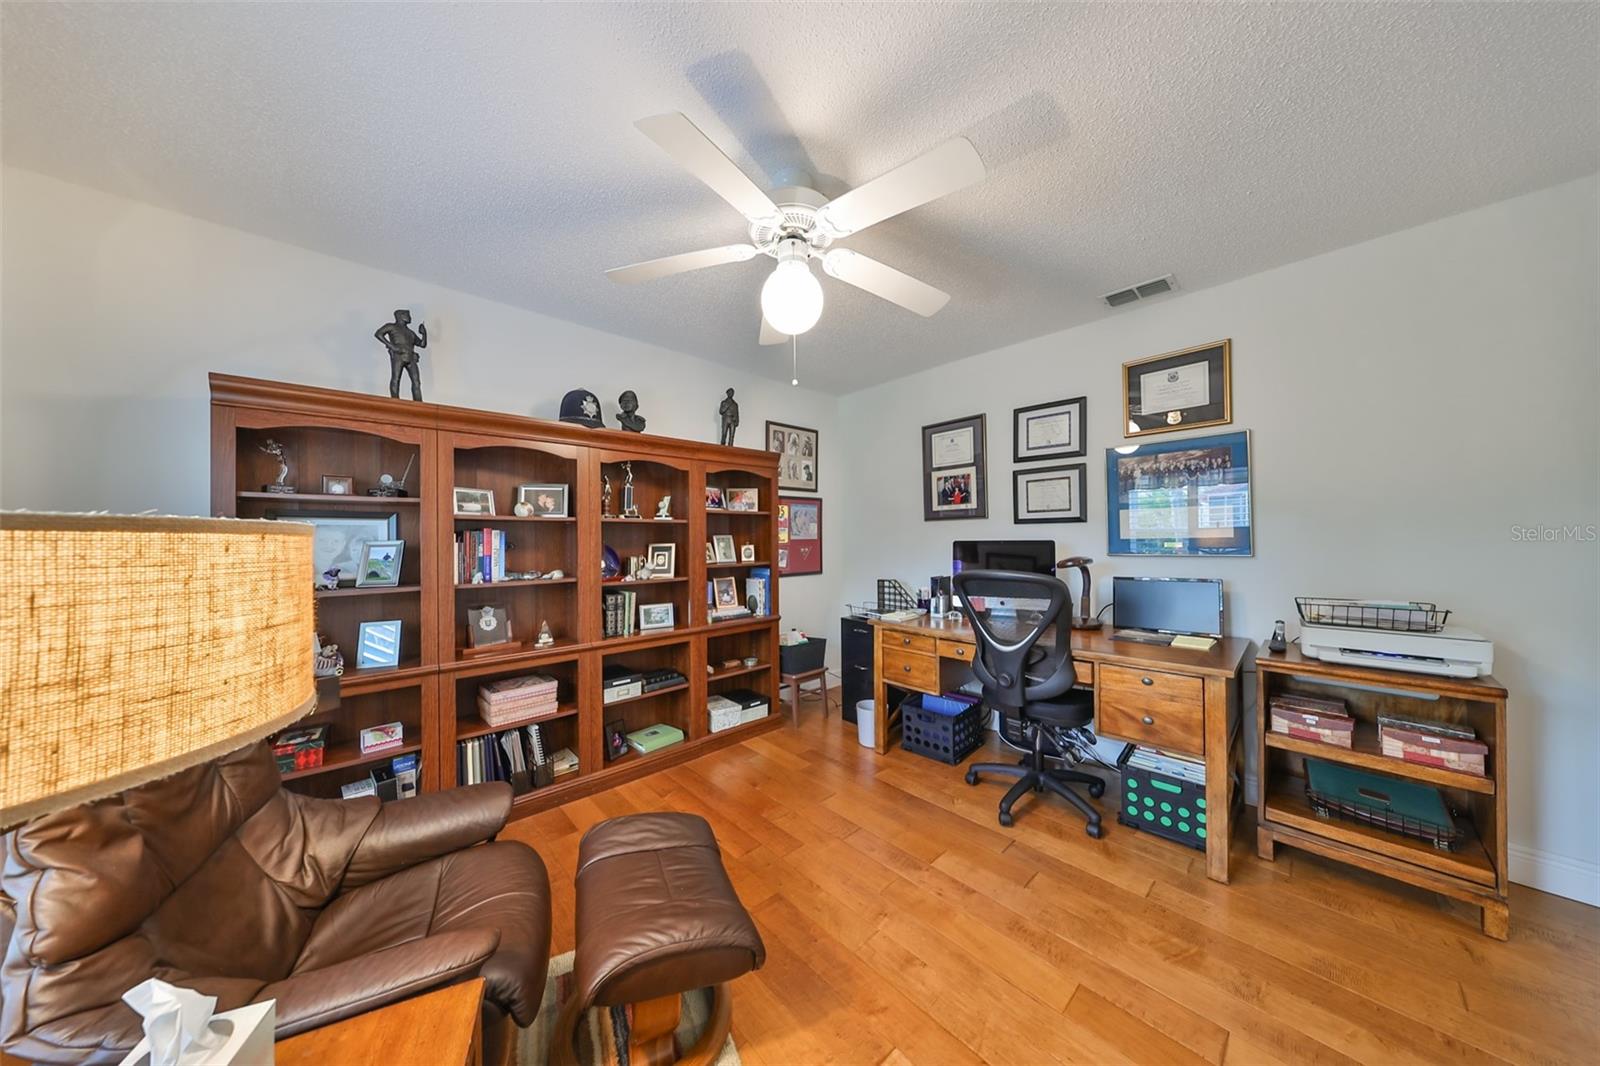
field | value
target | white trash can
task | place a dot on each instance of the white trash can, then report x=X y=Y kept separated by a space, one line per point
x=866 y=717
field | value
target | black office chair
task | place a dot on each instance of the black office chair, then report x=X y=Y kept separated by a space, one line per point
x=1041 y=714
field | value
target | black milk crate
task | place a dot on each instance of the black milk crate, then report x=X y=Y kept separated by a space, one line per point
x=800 y=658
x=945 y=729
x=1161 y=804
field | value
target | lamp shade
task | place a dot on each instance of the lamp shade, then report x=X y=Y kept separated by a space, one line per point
x=134 y=647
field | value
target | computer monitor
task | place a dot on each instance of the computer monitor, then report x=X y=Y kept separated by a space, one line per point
x=1029 y=556
x=1189 y=606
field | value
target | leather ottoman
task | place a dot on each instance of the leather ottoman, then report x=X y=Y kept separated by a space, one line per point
x=656 y=917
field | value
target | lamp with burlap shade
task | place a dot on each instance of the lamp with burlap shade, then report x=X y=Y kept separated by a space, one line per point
x=134 y=647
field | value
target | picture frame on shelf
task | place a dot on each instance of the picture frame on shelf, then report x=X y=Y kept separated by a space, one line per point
x=747 y=553
x=715 y=501
x=1052 y=430
x=711 y=553
x=654 y=617
x=338 y=486
x=380 y=563
x=1181 y=497
x=799 y=535
x=472 y=503
x=339 y=538
x=547 y=501
x=662 y=560
x=742 y=499
x=488 y=625
x=954 y=461
x=378 y=644
x=797 y=449
x=725 y=592
x=725 y=551
x=1188 y=389
x=1049 y=494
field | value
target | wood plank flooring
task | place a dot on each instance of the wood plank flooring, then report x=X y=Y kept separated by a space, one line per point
x=904 y=925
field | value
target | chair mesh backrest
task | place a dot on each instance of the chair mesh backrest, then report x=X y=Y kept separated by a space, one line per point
x=1006 y=639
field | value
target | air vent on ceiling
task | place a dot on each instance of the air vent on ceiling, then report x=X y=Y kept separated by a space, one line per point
x=1142 y=291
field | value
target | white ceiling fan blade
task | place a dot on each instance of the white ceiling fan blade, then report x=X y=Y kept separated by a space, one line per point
x=886 y=282
x=770 y=335
x=668 y=265
x=953 y=165
x=683 y=141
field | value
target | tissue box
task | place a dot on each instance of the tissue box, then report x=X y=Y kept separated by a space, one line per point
x=249 y=1043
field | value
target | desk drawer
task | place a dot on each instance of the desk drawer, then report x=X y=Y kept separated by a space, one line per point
x=1150 y=707
x=910 y=670
x=899 y=641
x=956 y=649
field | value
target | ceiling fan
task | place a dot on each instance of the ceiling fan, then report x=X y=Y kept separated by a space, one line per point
x=796 y=224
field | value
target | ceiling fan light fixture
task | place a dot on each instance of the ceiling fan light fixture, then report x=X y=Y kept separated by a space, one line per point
x=791 y=299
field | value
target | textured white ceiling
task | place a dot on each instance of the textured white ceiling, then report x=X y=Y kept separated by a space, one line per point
x=491 y=147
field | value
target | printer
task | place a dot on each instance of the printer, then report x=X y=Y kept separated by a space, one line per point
x=1448 y=652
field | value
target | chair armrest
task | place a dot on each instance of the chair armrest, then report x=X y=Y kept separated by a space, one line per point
x=316 y=998
x=407 y=832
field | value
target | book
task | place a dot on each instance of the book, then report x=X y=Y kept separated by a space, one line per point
x=654 y=738
x=564 y=762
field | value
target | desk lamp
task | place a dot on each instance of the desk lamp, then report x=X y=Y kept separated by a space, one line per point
x=135 y=647
x=1085 y=618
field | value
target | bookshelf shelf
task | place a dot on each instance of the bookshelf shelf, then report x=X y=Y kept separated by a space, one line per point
x=640 y=583
x=738 y=514
x=496 y=519
x=612 y=520
x=739 y=671
x=467 y=728
x=367 y=590
x=1366 y=752
x=519 y=583
x=648 y=695
x=361 y=500
x=736 y=566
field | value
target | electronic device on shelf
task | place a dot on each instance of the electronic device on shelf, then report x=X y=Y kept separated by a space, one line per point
x=1153 y=610
x=1026 y=556
x=660 y=679
x=1404 y=635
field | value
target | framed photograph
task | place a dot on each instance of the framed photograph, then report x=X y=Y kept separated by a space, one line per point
x=1049 y=494
x=474 y=502
x=380 y=563
x=655 y=616
x=724 y=592
x=714 y=499
x=1053 y=430
x=1178 y=390
x=338 y=486
x=797 y=456
x=547 y=501
x=487 y=625
x=337 y=545
x=723 y=543
x=711 y=553
x=742 y=499
x=747 y=553
x=378 y=644
x=953 y=480
x=663 y=560
x=799 y=535
x=1181 y=497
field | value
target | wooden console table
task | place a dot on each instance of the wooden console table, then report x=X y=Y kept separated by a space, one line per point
x=1476 y=870
x=1172 y=698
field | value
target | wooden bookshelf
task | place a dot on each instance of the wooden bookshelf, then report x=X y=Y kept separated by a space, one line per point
x=432 y=690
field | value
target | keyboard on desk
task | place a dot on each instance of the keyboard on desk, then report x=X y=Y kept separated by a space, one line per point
x=1143 y=636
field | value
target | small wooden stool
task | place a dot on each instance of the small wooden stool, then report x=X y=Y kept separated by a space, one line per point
x=794 y=681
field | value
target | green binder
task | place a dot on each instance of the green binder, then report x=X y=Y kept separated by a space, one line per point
x=654 y=738
x=1388 y=802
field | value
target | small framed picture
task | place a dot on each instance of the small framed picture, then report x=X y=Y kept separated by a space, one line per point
x=547 y=501
x=474 y=502
x=783 y=558
x=743 y=499
x=1049 y=494
x=726 y=553
x=725 y=591
x=954 y=484
x=1051 y=430
x=487 y=625
x=747 y=553
x=663 y=560
x=1178 y=390
x=378 y=644
x=380 y=563
x=338 y=486
x=711 y=553
x=715 y=501
x=797 y=456
x=653 y=616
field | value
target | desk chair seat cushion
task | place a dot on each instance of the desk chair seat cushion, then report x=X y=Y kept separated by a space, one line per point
x=1069 y=710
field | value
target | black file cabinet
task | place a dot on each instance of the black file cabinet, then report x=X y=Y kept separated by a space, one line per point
x=855 y=663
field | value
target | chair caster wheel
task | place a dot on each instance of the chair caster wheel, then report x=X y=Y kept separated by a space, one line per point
x=1097 y=789
x=1093 y=829
x=972 y=777
x=1006 y=820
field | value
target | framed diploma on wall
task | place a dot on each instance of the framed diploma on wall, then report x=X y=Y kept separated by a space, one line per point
x=1048 y=494
x=1178 y=390
x=954 y=481
x=1051 y=430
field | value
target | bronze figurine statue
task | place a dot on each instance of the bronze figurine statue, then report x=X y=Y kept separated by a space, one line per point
x=729 y=410
x=403 y=344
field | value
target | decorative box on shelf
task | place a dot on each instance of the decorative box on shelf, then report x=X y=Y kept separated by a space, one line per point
x=1433 y=744
x=1307 y=718
x=301 y=748
x=383 y=738
x=725 y=713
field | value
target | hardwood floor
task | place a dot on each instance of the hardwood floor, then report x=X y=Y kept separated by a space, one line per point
x=904 y=925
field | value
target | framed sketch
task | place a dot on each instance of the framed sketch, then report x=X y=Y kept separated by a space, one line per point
x=655 y=616
x=473 y=502
x=547 y=501
x=380 y=563
x=1053 y=430
x=799 y=535
x=1181 y=497
x=1178 y=390
x=340 y=538
x=1048 y=494
x=797 y=455
x=725 y=553
x=953 y=479
x=378 y=644
x=663 y=560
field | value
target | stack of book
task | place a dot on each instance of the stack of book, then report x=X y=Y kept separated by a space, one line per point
x=481 y=552
x=620 y=608
x=516 y=699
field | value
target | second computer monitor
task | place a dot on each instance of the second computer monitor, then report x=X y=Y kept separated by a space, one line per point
x=1190 y=606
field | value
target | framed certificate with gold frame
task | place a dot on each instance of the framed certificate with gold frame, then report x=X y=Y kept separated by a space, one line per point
x=1178 y=390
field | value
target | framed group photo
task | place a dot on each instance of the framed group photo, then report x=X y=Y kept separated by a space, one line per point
x=797 y=456
x=1181 y=497
x=1190 y=389
x=954 y=484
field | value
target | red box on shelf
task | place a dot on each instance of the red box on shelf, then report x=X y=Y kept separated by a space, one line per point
x=300 y=749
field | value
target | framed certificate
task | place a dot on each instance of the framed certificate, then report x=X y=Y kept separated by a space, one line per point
x=954 y=481
x=1178 y=390
x=1049 y=494
x=1051 y=430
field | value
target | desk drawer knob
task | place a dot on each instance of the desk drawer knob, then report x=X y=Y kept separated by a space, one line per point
x=1147 y=720
x=906 y=668
x=1147 y=681
x=906 y=641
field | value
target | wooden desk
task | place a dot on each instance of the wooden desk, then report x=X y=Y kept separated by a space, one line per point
x=1173 y=698
x=437 y=1029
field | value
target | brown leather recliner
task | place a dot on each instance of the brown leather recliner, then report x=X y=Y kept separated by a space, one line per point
x=220 y=880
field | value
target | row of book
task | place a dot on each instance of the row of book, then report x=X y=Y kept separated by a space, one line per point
x=621 y=612
x=514 y=755
x=517 y=699
x=481 y=552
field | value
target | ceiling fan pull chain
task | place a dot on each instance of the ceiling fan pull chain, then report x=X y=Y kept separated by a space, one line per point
x=794 y=360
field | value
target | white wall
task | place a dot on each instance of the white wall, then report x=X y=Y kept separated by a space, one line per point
x=1410 y=400
x=114 y=311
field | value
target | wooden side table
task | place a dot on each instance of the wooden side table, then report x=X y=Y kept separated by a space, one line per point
x=441 y=1028
x=794 y=681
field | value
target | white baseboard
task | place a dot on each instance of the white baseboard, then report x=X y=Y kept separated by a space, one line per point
x=1556 y=874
